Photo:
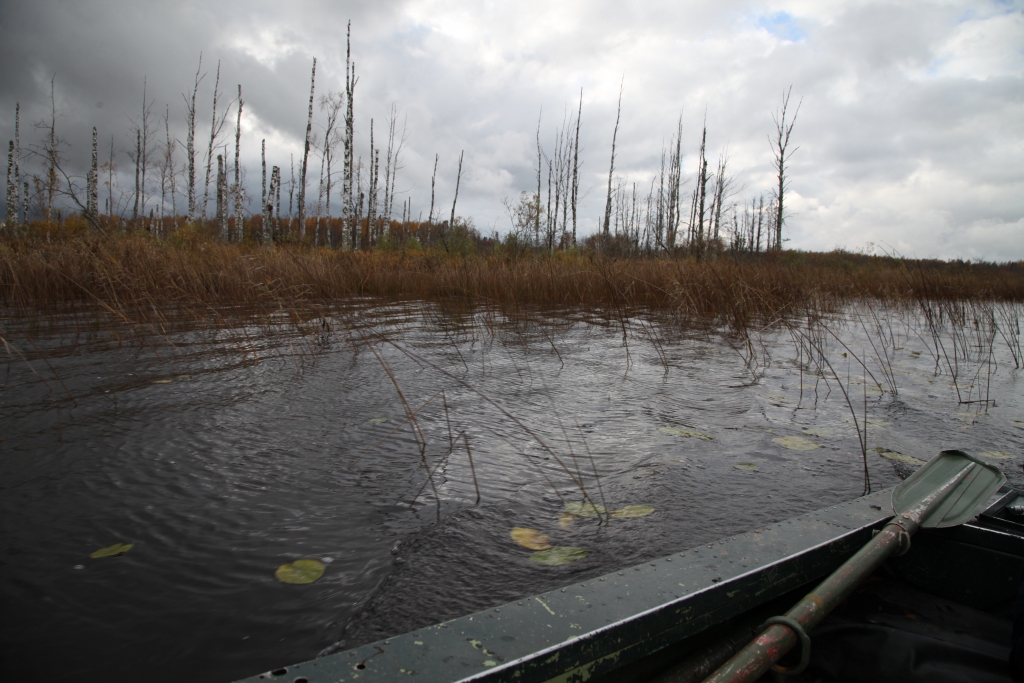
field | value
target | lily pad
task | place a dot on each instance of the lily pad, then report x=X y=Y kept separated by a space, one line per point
x=632 y=511
x=995 y=455
x=162 y=381
x=584 y=509
x=795 y=443
x=1019 y=424
x=817 y=431
x=675 y=431
x=558 y=555
x=300 y=571
x=377 y=420
x=112 y=551
x=530 y=538
x=899 y=457
x=746 y=466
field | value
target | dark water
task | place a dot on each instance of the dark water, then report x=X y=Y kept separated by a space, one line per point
x=221 y=457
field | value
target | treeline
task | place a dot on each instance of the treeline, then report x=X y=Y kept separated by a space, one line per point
x=355 y=204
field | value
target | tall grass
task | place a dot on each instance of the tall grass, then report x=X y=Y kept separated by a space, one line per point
x=141 y=279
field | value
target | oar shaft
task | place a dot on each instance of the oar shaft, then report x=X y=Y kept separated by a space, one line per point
x=752 y=661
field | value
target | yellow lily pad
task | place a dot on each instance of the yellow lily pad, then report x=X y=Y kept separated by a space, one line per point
x=111 y=551
x=300 y=571
x=795 y=443
x=746 y=466
x=558 y=555
x=584 y=509
x=377 y=420
x=162 y=381
x=675 y=431
x=899 y=457
x=530 y=538
x=565 y=520
x=632 y=511
x=995 y=455
x=817 y=431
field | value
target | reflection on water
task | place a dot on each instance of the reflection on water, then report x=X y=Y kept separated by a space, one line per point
x=220 y=458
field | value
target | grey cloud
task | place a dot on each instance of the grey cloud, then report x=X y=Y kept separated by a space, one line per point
x=891 y=144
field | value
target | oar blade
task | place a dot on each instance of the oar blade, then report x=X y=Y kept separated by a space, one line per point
x=964 y=503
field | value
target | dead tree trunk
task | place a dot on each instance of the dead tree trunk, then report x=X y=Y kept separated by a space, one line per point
x=611 y=166
x=347 y=200
x=263 y=194
x=305 y=157
x=576 y=168
x=20 y=216
x=237 y=189
x=214 y=132
x=12 y=202
x=92 y=183
x=433 y=180
x=268 y=210
x=780 y=145
x=190 y=141
x=458 y=180
x=138 y=155
x=222 y=198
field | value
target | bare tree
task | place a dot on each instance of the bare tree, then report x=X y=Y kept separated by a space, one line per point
x=305 y=156
x=433 y=180
x=236 y=190
x=11 y=218
x=268 y=210
x=540 y=155
x=332 y=103
x=371 y=195
x=611 y=167
x=392 y=163
x=20 y=217
x=216 y=127
x=458 y=180
x=92 y=182
x=347 y=208
x=190 y=140
x=576 y=168
x=222 y=199
x=263 y=194
x=137 y=158
x=782 y=153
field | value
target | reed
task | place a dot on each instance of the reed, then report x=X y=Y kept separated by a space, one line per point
x=141 y=279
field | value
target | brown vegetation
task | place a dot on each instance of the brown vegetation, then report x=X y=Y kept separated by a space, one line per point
x=141 y=279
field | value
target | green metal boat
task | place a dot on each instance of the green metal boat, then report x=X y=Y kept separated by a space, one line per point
x=939 y=612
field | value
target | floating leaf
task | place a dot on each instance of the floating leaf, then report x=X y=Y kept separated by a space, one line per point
x=584 y=509
x=565 y=520
x=995 y=455
x=795 y=443
x=1018 y=423
x=817 y=431
x=558 y=555
x=184 y=376
x=377 y=420
x=530 y=538
x=162 y=381
x=300 y=571
x=747 y=466
x=899 y=457
x=112 y=551
x=632 y=511
x=674 y=431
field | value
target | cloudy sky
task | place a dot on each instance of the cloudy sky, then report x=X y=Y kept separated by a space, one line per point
x=910 y=131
